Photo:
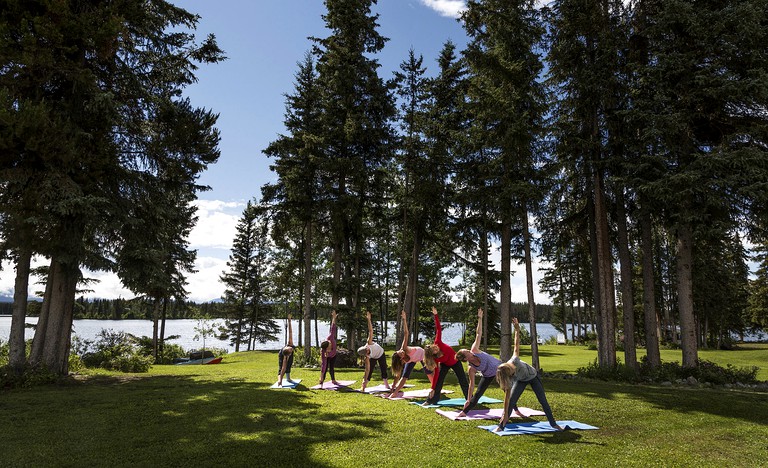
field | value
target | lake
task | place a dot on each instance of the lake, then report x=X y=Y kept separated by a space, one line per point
x=185 y=328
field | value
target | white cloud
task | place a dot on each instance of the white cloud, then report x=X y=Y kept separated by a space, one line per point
x=450 y=8
x=216 y=225
x=204 y=286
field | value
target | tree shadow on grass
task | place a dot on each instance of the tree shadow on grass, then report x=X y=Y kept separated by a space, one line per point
x=564 y=437
x=180 y=421
x=744 y=405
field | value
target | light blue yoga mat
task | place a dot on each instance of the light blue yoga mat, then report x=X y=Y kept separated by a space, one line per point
x=536 y=428
x=457 y=402
x=287 y=384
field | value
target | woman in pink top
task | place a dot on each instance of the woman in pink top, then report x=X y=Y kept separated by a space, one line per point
x=328 y=353
x=442 y=354
x=405 y=359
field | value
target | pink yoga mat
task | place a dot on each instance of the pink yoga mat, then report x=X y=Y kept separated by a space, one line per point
x=495 y=413
x=330 y=386
x=381 y=388
x=411 y=394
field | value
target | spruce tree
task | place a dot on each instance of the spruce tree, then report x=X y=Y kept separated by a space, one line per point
x=357 y=109
x=88 y=91
x=504 y=60
x=246 y=284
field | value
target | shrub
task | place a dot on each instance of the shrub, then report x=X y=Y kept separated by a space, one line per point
x=28 y=378
x=116 y=351
x=620 y=372
x=4 y=353
x=706 y=371
x=301 y=361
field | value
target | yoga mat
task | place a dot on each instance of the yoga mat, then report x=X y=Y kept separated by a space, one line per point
x=536 y=428
x=287 y=384
x=457 y=402
x=460 y=401
x=331 y=386
x=381 y=388
x=411 y=394
x=495 y=413
x=422 y=393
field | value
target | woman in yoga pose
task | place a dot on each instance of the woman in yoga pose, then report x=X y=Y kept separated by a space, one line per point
x=513 y=376
x=328 y=353
x=443 y=356
x=285 y=357
x=478 y=360
x=372 y=351
x=405 y=359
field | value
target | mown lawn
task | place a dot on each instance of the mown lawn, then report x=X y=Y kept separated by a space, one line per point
x=226 y=415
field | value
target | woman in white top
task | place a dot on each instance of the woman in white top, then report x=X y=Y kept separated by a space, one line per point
x=372 y=351
x=513 y=376
x=405 y=359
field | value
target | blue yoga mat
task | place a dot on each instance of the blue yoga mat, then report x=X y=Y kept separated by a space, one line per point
x=287 y=384
x=457 y=402
x=535 y=428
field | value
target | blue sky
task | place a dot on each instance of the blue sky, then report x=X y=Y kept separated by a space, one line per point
x=264 y=40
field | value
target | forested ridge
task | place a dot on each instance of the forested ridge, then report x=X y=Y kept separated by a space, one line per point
x=623 y=144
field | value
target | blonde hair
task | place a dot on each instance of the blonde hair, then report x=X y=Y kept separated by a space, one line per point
x=362 y=351
x=430 y=355
x=504 y=375
x=397 y=365
x=460 y=356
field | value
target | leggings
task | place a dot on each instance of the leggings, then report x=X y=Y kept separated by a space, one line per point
x=538 y=389
x=409 y=367
x=382 y=360
x=481 y=388
x=330 y=366
x=280 y=362
x=458 y=369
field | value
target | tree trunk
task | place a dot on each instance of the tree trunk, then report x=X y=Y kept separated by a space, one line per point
x=529 y=288
x=17 y=349
x=409 y=304
x=52 y=337
x=505 y=346
x=653 y=355
x=627 y=294
x=38 y=341
x=605 y=311
x=155 y=327
x=162 y=327
x=484 y=249
x=685 y=295
x=308 y=291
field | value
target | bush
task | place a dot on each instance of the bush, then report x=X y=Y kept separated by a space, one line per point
x=28 y=378
x=706 y=371
x=116 y=351
x=300 y=360
x=4 y=353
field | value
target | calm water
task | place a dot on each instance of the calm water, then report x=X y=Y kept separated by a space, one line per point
x=185 y=328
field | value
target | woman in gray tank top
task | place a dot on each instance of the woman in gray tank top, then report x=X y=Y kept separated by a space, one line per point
x=513 y=376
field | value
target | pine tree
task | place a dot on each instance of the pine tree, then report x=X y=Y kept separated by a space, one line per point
x=357 y=109
x=89 y=90
x=702 y=94
x=297 y=196
x=505 y=67
x=246 y=282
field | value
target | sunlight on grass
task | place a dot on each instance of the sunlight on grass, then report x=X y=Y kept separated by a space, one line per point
x=227 y=415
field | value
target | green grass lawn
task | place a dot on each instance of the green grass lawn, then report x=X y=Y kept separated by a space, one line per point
x=226 y=415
